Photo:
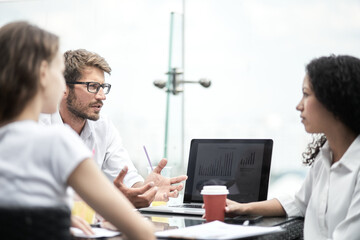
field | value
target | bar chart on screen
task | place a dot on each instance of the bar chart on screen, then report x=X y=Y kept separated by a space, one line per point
x=221 y=166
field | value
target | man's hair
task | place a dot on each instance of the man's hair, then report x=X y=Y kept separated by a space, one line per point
x=23 y=47
x=335 y=81
x=76 y=61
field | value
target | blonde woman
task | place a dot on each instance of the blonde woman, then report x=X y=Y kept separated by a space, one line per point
x=38 y=162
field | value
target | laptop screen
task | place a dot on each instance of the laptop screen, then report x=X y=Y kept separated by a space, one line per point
x=243 y=165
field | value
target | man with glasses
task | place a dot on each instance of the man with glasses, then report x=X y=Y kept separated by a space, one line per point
x=80 y=108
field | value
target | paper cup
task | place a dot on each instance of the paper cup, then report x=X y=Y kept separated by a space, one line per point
x=215 y=201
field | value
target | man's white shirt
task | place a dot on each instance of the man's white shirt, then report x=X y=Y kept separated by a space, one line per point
x=103 y=139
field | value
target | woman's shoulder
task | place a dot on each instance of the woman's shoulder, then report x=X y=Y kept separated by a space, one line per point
x=50 y=134
x=63 y=140
x=54 y=129
x=60 y=132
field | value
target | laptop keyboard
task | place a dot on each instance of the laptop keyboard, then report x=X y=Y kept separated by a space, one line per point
x=187 y=206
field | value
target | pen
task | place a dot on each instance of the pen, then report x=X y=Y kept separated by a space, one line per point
x=96 y=225
x=147 y=156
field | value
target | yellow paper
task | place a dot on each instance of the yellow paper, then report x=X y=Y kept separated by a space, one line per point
x=158 y=203
x=160 y=219
x=81 y=209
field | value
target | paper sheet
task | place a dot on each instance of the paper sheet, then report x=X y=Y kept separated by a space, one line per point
x=99 y=233
x=218 y=230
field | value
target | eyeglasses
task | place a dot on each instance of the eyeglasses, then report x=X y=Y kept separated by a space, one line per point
x=94 y=87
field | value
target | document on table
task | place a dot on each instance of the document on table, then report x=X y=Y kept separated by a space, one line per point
x=99 y=233
x=217 y=230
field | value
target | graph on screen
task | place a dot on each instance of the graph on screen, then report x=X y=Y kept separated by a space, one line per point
x=247 y=160
x=220 y=167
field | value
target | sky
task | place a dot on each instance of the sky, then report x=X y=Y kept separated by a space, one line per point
x=253 y=51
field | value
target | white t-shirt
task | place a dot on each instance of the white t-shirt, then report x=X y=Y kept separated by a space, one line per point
x=103 y=139
x=35 y=163
x=330 y=196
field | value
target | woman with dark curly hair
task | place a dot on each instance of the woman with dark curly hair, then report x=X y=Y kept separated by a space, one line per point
x=329 y=198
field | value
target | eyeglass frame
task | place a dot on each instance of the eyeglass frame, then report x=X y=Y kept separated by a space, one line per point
x=98 y=88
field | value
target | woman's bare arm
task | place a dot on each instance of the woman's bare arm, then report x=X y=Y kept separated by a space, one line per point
x=95 y=189
x=265 y=208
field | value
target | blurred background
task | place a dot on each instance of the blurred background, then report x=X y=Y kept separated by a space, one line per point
x=253 y=51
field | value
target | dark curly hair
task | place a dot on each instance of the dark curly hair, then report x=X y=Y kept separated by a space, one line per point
x=335 y=81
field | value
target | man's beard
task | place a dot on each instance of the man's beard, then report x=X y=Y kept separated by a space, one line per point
x=76 y=109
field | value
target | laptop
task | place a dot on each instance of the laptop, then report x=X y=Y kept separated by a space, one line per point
x=242 y=165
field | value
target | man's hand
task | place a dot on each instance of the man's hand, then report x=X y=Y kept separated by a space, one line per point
x=139 y=197
x=165 y=185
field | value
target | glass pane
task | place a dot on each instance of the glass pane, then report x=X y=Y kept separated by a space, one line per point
x=255 y=53
x=174 y=122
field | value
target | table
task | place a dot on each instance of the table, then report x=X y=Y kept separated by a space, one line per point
x=293 y=226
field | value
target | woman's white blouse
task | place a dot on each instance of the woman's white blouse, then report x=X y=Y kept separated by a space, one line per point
x=329 y=199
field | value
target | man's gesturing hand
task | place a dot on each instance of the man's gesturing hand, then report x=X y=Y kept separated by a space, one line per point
x=165 y=185
x=138 y=196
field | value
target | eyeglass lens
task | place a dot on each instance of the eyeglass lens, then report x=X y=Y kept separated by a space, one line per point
x=95 y=87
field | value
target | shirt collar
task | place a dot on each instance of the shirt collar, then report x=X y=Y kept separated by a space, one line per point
x=350 y=159
x=325 y=153
x=87 y=130
x=56 y=118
